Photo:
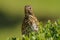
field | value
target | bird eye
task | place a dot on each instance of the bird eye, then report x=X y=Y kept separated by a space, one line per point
x=30 y=8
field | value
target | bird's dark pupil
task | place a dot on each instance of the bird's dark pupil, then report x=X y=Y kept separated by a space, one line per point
x=30 y=7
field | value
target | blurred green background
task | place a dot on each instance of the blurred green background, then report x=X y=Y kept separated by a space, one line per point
x=12 y=14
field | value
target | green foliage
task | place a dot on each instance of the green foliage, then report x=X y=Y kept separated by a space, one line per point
x=49 y=31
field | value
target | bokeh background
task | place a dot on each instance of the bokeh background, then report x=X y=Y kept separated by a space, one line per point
x=12 y=14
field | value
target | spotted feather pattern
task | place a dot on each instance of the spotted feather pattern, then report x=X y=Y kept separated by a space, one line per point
x=30 y=22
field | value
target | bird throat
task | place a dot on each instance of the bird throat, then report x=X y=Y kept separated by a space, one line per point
x=28 y=13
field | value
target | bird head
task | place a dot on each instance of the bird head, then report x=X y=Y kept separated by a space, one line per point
x=28 y=10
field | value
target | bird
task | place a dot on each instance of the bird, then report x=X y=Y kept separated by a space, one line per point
x=30 y=21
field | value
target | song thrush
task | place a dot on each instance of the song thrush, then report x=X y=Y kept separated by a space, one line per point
x=30 y=22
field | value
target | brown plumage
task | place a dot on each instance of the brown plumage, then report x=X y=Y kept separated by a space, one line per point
x=30 y=22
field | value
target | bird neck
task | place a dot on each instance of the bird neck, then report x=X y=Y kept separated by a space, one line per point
x=28 y=13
